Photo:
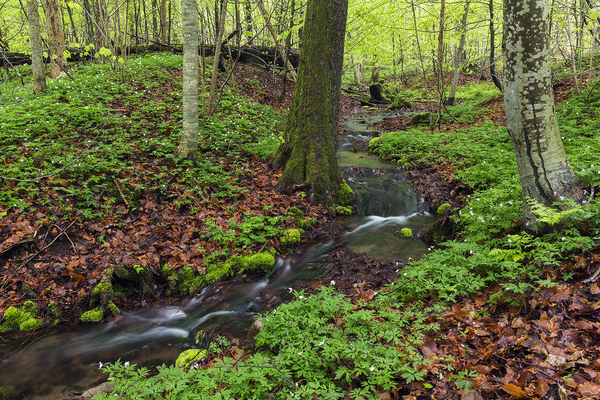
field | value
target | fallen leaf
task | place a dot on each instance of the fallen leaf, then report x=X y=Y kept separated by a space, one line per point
x=514 y=390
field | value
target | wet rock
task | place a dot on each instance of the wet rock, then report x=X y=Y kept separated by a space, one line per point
x=421 y=119
x=105 y=387
x=254 y=330
x=440 y=231
x=399 y=103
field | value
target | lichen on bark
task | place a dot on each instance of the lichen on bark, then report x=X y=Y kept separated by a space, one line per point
x=545 y=173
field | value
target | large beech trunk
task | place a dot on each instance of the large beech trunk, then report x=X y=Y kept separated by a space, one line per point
x=311 y=132
x=545 y=173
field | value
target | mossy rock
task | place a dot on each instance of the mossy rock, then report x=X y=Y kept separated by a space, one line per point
x=190 y=280
x=440 y=231
x=441 y=209
x=10 y=393
x=374 y=144
x=404 y=232
x=103 y=292
x=254 y=330
x=300 y=220
x=131 y=274
x=131 y=194
x=94 y=315
x=114 y=310
x=261 y=262
x=421 y=119
x=295 y=213
x=399 y=103
x=291 y=238
x=23 y=318
x=189 y=356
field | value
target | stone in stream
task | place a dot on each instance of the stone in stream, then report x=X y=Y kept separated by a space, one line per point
x=105 y=387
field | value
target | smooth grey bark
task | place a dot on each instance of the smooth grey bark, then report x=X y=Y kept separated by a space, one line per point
x=188 y=146
x=459 y=54
x=56 y=38
x=308 y=152
x=35 y=40
x=545 y=173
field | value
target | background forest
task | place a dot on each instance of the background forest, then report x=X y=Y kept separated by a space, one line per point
x=101 y=214
x=384 y=38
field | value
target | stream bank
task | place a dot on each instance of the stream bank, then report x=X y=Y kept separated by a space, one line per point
x=366 y=255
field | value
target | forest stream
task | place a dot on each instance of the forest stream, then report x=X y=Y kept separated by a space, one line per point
x=65 y=362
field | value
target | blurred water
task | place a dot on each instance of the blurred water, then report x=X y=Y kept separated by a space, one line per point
x=67 y=361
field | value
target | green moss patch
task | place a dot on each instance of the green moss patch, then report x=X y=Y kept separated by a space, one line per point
x=345 y=196
x=24 y=318
x=189 y=356
x=374 y=144
x=291 y=238
x=94 y=315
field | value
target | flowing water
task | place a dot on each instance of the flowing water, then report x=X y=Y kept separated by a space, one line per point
x=65 y=362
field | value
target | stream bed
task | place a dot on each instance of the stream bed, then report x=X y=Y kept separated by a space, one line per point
x=65 y=362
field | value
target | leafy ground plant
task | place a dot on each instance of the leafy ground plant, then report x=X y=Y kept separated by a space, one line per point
x=322 y=345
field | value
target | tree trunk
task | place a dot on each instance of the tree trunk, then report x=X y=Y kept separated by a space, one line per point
x=101 y=16
x=545 y=173
x=493 y=48
x=261 y=6
x=35 y=39
x=311 y=132
x=458 y=55
x=249 y=26
x=188 y=146
x=56 y=38
x=163 y=21
x=440 y=64
x=213 y=80
x=573 y=50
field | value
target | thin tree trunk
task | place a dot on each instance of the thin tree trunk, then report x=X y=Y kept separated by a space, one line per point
x=288 y=45
x=493 y=48
x=459 y=53
x=573 y=65
x=89 y=22
x=440 y=63
x=215 y=70
x=261 y=6
x=188 y=146
x=163 y=21
x=249 y=26
x=414 y=13
x=70 y=12
x=35 y=40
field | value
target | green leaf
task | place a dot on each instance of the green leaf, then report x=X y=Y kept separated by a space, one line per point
x=105 y=52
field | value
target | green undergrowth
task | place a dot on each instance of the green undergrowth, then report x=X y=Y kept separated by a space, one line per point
x=489 y=246
x=328 y=346
x=320 y=346
x=68 y=147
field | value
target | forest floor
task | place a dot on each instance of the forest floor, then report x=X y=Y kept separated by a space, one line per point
x=547 y=347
